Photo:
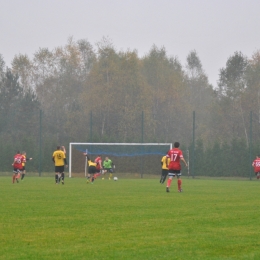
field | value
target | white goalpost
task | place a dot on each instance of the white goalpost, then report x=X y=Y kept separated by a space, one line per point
x=106 y=151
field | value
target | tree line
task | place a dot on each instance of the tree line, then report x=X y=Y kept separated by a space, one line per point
x=95 y=93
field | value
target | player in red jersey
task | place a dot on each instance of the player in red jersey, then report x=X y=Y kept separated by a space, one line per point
x=18 y=166
x=98 y=161
x=175 y=156
x=256 y=165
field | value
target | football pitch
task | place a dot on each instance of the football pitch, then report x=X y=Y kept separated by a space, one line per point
x=129 y=219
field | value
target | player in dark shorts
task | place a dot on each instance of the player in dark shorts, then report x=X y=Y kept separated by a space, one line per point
x=24 y=161
x=92 y=170
x=59 y=160
x=108 y=166
x=164 y=162
x=176 y=157
x=17 y=166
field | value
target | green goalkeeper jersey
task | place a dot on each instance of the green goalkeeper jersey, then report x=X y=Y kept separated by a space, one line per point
x=107 y=164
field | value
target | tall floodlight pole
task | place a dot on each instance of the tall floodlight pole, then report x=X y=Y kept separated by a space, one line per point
x=40 y=144
x=142 y=161
x=91 y=126
x=193 y=147
x=188 y=161
x=250 y=145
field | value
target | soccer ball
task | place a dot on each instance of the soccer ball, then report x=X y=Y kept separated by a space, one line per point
x=115 y=178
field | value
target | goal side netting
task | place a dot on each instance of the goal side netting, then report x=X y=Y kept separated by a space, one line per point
x=137 y=158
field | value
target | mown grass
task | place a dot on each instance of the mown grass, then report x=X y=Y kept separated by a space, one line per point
x=129 y=219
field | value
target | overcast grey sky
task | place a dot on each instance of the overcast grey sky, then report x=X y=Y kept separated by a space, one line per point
x=214 y=28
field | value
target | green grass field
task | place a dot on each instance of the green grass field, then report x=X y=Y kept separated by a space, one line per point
x=129 y=219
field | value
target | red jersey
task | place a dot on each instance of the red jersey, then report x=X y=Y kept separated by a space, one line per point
x=175 y=155
x=98 y=161
x=18 y=161
x=256 y=165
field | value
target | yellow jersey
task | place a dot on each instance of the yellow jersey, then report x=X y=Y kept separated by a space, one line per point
x=90 y=163
x=24 y=160
x=165 y=162
x=58 y=157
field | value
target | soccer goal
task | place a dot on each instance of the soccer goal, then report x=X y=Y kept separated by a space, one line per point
x=138 y=158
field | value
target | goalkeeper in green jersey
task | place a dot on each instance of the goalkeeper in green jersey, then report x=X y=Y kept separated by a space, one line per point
x=108 y=166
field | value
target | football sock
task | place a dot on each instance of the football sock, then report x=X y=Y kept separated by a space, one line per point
x=62 y=176
x=56 y=178
x=110 y=175
x=179 y=184
x=169 y=183
x=22 y=176
x=92 y=179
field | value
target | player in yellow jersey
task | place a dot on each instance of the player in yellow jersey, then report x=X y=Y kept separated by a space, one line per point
x=23 y=163
x=60 y=161
x=164 y=162
x=92 y=169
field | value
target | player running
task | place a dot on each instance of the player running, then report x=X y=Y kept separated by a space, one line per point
x=164 y=162
x=92 y=170
x=256 y=165
x=99 y=168
x=18 y=166
x=175 y=156
x=23 y=163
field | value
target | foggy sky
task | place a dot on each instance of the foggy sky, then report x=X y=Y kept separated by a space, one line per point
x=214 y=28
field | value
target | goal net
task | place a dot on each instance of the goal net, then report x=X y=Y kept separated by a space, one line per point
x=138 y=158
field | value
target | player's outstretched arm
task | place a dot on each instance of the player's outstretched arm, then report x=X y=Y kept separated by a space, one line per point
x=86 y=156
